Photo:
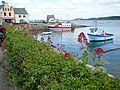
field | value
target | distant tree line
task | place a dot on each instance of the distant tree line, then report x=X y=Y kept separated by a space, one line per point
x=101 y=18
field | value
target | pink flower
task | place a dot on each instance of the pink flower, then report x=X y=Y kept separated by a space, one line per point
x=25 y=34
x=49 y=38
x=87 y=43
x=82 y=38
x=66 y=54
x=99 y=51
x=53 y=46
x=35 y=33
x=4 y=46
x=85 y=38
x=81 y=34
x=42 y=39
x=79 y=39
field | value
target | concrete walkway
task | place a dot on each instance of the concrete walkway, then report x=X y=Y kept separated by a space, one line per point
x=4 y=80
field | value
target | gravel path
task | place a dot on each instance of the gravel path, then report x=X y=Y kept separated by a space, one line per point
x=4 y=80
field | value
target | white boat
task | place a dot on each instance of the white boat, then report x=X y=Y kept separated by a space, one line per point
x=46 y=33
x=94 y=36
x=59 y=25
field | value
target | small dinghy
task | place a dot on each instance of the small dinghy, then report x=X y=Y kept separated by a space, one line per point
x=46 y=33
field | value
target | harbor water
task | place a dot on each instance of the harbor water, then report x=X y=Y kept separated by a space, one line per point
x=69 y=42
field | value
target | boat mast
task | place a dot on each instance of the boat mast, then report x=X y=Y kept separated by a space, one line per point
x=95 y=23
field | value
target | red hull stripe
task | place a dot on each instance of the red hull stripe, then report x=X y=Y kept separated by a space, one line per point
x=57 y=27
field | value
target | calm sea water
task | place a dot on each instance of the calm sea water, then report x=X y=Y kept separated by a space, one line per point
x=69 y=41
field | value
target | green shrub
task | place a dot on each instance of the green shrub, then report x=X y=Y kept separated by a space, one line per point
x=37 y=66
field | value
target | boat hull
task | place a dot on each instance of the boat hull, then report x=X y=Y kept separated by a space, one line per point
x=94 y=38
x=60 y=29
x=46 y=33
x=59 y=26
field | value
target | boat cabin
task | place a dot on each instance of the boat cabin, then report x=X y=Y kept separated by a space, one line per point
x=94 y=31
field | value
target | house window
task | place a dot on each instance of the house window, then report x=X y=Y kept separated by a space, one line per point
x=4 y=13
x=24 y=16
x=19 y=16
x=3 y=9
x=8 y=9
x=9 y=14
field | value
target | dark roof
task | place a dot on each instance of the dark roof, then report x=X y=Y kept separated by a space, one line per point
x=20 y=11
x=49 y=17
x=1 y=6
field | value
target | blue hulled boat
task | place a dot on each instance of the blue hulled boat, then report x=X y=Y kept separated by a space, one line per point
x=94 y=36
x=100 y=37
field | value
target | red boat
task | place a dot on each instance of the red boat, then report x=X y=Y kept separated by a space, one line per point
x=60 y=25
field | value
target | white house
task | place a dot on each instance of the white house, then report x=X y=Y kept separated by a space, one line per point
x=21 y=15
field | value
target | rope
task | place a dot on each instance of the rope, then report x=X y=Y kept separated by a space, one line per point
x=112 y=50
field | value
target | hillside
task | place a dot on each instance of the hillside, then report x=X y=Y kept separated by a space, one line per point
x=101 y=18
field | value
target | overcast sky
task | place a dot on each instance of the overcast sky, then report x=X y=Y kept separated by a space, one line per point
x=68 y=9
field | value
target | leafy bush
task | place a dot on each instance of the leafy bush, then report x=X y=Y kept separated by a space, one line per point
x=36 y=66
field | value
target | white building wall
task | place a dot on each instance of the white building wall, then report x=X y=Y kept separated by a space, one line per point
x=17 y=18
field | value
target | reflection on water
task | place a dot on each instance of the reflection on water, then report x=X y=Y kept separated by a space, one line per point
x=60 y=29
x=69 y=40
x=97 y=44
